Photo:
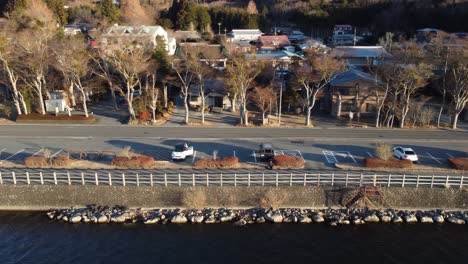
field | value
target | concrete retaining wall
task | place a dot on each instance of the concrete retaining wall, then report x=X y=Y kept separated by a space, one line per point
x=43 y=197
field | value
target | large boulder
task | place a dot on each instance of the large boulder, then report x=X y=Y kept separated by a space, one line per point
x=410 y=218
x=439 y=219
x=372 y=219
x=118 y=218
x=275 y=217
x=456 y=221
x=318 y=218
x=179 y=219
x=196 y=219
x=305 y=219
x=426 y=219
x=76 y=218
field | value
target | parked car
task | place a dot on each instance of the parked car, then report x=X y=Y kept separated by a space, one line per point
x=182 y=151
x=266 y=151
x=406 y=153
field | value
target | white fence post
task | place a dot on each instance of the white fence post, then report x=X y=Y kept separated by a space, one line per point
x=461 y=182
x=110 y=179
x=42 y=178
x=123 y=179
x=447 y=181
x=96 y=178
x=305 y=179
x=138 y=179
x=221 y=179
x=248 y=180
x=1 y=178
x=417 y=181
x=263 y=179
x=165 y=179
x=151 y=179
x=55 y=178
x=375 y=180
x=82 y=178
x=207 y=180
x=432 y=181
x=14 y=177
x=235 y=179
x=403 y=181
x=27 y=178
x=346 y=180
x=180 y=181
x=68 y=178
x=290 y=179
x=333 y=179
x=276 y=179
x=318 y=179
x=193 y=179
x=361 y=180
x=389 y=180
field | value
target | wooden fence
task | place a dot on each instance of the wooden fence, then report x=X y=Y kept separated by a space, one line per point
x=232 y=179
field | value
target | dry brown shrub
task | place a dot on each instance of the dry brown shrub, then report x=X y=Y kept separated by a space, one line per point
x=193 y=198
x=134 y=14
x=126 y=152
x=273 y=198
x=383 y=151
x=288 y=162
x=392 y=163
x=226 y=162
x=136 y=162
x=459 y=163
x=61 y=161
x=36 y=161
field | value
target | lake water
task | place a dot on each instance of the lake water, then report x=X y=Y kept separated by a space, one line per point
x=32 y=238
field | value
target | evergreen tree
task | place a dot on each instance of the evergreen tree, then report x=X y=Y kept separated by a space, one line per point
x=109 y=10
x=56 y=6
x=15 y=5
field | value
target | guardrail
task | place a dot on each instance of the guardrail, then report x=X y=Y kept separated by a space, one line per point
x=233 y=179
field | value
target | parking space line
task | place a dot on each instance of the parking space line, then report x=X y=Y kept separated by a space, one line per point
x=432 y=157
x=351 y=156
x=300 y=154
x=329 y=156
x=234 y=153
x=445 y=153
x=370 y=155
x=253 y=155
x=39 y=151
x=56 y=153
x=194 y=155
x=18 y=152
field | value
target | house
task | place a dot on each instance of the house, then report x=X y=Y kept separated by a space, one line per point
x=146 y=35
x=427 y=34
x=216 y=94
x=296 y=36
x=270 y=43
x=242 y=46
x=58 y=102
x=362 y=55
x=213 y=54
x=245 y=35
x=352 y=90
x=342 y=29
x=276 y=58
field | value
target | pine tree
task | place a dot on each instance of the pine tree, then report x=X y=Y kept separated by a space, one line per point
x=109 y=10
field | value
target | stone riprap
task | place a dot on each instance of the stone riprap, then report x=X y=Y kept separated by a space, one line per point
x=242 y=217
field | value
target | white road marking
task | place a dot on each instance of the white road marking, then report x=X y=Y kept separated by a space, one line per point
x=351 y=156
x=253 y=155
x=432 y=157
x=194 y=155
x=300 y=154
x=445 y=153
x=234 y=153
x=329 y=156
x=39 y=151
x=18 y=152
x=56 y=153
x=370 y=155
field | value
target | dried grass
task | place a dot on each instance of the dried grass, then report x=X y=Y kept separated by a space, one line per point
x=459 y=163
x=392 y=163
x=193 y=198
x=273 y=198
x=288 y=162
x=223 y=163
x=36 y=162
x=383 y=151
x=136 y=162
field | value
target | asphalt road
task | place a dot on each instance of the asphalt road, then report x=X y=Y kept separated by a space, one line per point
x=320 y=147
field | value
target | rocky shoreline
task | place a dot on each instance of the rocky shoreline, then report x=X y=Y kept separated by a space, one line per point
x=242 y=217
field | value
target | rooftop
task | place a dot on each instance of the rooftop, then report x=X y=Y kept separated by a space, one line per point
x=362 y=51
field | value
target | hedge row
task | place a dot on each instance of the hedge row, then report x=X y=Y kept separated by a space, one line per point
x=41 y=161
x=136 y=162
x=459 y=163
x=391 y=163
x=288 y=162
x=35 y=116
x=227 y=162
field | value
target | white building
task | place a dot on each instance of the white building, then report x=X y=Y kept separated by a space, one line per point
x=245 y=35
x=147 y=34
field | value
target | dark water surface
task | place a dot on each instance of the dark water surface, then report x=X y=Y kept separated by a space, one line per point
x=32 y=238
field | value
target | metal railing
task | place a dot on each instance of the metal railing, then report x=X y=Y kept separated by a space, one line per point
x=232 y=179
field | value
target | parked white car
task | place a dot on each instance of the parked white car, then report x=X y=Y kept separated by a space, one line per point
x=182 y=151
x=405 y=153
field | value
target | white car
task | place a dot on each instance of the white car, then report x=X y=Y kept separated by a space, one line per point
x=182 y=151
x=405 y=153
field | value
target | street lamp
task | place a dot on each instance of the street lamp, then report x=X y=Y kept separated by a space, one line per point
x=219 y=28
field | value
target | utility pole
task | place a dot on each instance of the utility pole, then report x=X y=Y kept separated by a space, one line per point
x=280 y=102
x=219 y=28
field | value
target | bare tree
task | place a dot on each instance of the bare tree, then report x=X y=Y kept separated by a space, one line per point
x=380 y=98
x=314 y=75
x=264 y=98
x=184 y=70
x=73 y=60
x=9 y=62
x=129 y=61
x=202 y=70
x=240 y=74
x=458 y=89
x=34 y=51
x=102 y=68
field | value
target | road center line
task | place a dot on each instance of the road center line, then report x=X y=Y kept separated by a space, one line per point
x=433 y=158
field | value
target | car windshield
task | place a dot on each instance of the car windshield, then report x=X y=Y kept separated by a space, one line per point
x=409 y=152
x=179 y=148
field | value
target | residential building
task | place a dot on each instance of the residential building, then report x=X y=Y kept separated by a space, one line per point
x=187 y=36
x=271 y=43
x=216 y=94
x=240 y=47
x=212 y=54
x=146 y=35
x=362 y=55
x=296 y=36
x=245 y=35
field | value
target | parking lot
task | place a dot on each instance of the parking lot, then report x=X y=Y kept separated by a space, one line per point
x=317 y=155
